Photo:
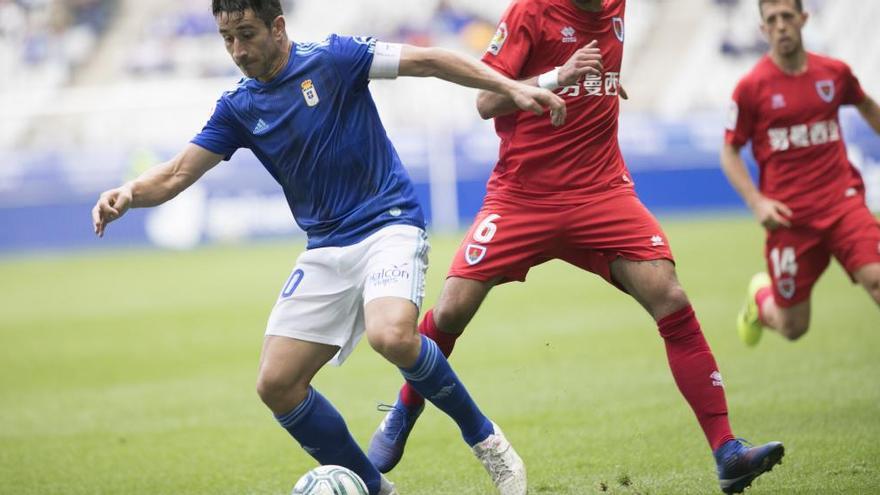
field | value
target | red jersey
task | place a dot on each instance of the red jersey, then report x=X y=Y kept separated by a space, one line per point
x=792 y=122
x=582 y=158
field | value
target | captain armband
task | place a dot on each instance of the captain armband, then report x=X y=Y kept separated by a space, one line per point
x=386 y=60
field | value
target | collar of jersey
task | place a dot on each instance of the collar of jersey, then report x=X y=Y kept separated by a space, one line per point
x=280 y=77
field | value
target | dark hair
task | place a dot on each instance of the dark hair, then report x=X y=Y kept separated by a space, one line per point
x=798 y=4
x=266 y=10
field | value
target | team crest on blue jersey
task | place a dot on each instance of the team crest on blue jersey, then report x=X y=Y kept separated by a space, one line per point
x=617 y=24
x=825 y=88
x=474 y=253
x=310 y=93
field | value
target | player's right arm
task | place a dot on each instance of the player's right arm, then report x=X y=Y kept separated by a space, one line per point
x=155 y=186
x=870 y=112
x=770 y=213
x=587 y=60
x=740 y=130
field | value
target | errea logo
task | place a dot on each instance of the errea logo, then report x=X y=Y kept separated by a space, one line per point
x=657 y=240
x=568 y=35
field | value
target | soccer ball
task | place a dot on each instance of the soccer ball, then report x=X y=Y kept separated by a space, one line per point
x=330 y=480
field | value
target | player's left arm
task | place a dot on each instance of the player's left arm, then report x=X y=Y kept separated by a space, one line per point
x=870 y=111
x=467 y=71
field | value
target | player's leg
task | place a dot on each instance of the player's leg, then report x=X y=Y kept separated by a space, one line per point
x=791 y=322
x=287 y=367
x=315 y=316
x=780 y=299
x=391 y=331
x=621 y=241
x=459 y=301
x=655 y=286
x=391 y=306
x=503 y=242
x=869 y=277
x=855 y=242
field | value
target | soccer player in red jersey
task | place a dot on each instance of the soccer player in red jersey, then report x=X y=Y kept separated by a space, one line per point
x=811 y=200
x=565 y=193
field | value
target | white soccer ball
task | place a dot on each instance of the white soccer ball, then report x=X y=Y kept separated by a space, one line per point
x=330 y=480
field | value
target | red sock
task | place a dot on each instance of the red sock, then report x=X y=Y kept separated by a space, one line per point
x=761 y=296
x=445 y=341
x=696 y=373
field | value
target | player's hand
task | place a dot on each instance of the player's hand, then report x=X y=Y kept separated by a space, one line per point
x=111 y=205
x=535 y=100
x=587 y=60
x=771 y=213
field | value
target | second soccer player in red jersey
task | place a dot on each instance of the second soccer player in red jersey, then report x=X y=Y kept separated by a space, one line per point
x=811 y=200
x=565 y=193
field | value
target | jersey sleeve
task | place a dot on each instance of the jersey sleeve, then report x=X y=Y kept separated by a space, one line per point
x=853 y=94
x=353 y=57
x=513 y=41
x=219 y=134
x=740 y=116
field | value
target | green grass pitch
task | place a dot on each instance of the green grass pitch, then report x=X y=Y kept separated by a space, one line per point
x=132 y=372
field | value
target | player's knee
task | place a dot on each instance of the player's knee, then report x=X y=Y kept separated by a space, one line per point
x=794 y=328
x=668 y=299
x=397 y=343
x=280 y=391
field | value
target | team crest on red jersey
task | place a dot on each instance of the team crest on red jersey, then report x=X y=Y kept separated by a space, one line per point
x=786 y=287
x=825 y=88
x=617 y=23
x=474 y=253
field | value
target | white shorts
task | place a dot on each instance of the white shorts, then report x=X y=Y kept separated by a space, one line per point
x=323 y=299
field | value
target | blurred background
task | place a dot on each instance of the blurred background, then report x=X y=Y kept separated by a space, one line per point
x=92 y=92
x=128 y=369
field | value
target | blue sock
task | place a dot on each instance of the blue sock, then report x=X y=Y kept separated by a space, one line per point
x=433 y=378
x=321 y=432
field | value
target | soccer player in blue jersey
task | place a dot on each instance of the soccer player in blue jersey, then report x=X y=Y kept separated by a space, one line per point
x=305 y=111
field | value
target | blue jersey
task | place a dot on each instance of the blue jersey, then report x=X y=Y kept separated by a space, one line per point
x=316 y=130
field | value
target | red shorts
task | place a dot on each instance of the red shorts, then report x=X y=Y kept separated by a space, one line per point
x=796 y=257
x=509 y=236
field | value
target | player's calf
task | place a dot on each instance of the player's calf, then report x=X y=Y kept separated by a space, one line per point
x=458 y=303
x=793 y=323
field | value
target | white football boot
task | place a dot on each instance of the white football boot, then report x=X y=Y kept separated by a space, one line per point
x=387 y=487
x=503 y=463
